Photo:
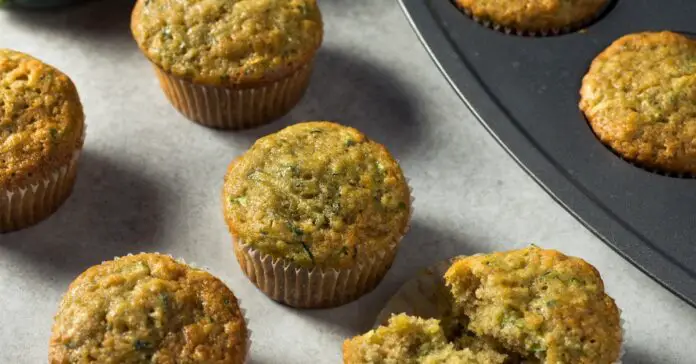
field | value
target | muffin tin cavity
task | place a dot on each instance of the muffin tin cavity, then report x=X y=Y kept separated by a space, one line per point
x=525 y=91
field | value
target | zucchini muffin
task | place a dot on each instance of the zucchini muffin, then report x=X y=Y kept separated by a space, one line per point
x=533 y=16
x=230 y=63
x=639 y=97
x=148 y=308
x=412 y=340
x=538 y=303
x=316 y=212
x=41 y=134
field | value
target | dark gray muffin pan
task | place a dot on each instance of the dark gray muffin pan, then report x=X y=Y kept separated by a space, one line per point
x=525 y=91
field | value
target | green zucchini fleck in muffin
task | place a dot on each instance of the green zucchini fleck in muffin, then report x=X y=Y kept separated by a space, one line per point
x=533 y=16
x=230 y=64
x=148 y=308
x=41 y=135
x=412 y=340
x=538 y=303
x=639 y=97
x=317 y=195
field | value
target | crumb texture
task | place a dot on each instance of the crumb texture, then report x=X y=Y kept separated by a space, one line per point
x=411 y=340
x=538 y=303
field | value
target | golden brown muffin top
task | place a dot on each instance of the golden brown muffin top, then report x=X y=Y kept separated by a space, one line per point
x=228 y=41
x=539 y=303
x=317 y=193
x=148 y=308
x=412 y=340
x=41 y=119
x=640 y=99
x=534 y=15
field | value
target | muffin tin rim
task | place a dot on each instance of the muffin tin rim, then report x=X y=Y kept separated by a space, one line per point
x=601 y=220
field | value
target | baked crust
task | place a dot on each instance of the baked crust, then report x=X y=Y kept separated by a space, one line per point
x=639 y=97
x=41 y=120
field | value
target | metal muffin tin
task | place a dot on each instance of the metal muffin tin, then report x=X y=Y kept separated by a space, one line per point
x=525 y=91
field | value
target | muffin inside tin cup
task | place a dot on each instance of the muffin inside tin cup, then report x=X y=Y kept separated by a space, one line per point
x=637 y=164
x=653 y=167
x=571 y=27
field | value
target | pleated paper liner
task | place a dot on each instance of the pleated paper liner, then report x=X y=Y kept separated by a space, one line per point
x=574 y=27
x=316 y=287
x=239 y=302
x=27 y=205
x=427 y=296
x=301 y=287
x=235 y=108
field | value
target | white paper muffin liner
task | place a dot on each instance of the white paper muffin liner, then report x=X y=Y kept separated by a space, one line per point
x=301 y=287
x=234 y=108
x=21 y=207
x=426 y=296
x=239 y=301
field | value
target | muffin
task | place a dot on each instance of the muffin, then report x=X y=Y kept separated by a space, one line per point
x=533 y=16
x=638 y=97
x=148 y=308
x=41 y=134
x=412 y=340
x=316 y=212
x=230 y=64
x=538 y=303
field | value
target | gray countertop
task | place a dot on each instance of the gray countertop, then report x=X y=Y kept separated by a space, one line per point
x=150 y=181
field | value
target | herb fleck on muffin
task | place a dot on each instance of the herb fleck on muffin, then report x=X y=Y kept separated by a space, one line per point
x=148 y=308
x=639 y=98
x=228 y=42
x=412 y=340
x=41 y=119
x=41 y=134
x=538 y=303
x=317 y=194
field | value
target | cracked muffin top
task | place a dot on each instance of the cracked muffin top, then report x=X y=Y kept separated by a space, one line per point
x=41 y=119
x=148 y=308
